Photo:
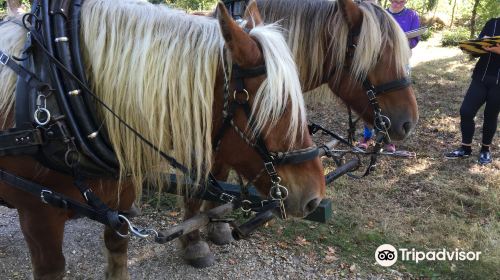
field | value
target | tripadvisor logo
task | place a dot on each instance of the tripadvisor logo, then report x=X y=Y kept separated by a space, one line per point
x=387 y=255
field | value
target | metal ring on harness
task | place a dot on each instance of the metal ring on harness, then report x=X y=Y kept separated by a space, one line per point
x=246 y=206
x=382 y=123
x=278 y=192
x=42 y=116
x=245 y=100
x=141 y=233
x=70 y=159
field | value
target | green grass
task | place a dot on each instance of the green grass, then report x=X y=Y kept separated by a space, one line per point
x=426 y=203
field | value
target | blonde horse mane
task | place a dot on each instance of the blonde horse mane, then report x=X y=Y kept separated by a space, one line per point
x=156 y=67
x=12 y=42
x=316 y=20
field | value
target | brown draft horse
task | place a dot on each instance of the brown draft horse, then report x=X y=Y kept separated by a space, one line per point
x=163 y=72
x=344 y=45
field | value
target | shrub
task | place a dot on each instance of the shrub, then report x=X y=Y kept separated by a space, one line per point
x=427 y=34
x=452 y=37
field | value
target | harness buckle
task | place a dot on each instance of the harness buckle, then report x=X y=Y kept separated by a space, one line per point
x=226 y=197
x=270 y=168
x=42 y=195
x=4 y=58
x=371 y=95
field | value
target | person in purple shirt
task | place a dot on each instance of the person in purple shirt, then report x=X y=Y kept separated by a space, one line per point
x=407 y=18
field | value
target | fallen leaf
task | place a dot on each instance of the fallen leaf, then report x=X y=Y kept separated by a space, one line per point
x=173 y=213
x=330 y=272
x=301 y=241
x=331 y=251
x=330 y=259
x=282 y=245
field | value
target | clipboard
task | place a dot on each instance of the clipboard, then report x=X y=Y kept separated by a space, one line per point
x=416 y=32
x=475 y=46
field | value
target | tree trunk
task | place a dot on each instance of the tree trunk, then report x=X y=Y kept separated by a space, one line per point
x=453 y=12
x=473 y=19
x=435 y=9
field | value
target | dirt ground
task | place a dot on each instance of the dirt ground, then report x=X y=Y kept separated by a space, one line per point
x=424 y=203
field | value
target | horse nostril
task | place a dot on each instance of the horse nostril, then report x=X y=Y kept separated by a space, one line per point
x=311 y=205
x=407 y=127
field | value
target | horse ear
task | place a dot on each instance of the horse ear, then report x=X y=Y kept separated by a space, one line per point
x=227 y=25
x=252 y=15
x=351 y=12
x=244 y=50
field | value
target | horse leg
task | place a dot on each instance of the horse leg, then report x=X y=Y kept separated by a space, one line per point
x=44 y=235
x=219 y=233
x=196 y=251
x=116 y=252
x=116 y=246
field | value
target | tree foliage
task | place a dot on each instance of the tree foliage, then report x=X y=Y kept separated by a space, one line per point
x=461 y=11
x=191 y=5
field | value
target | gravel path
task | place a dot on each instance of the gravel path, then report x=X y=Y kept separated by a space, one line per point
x=257 y=258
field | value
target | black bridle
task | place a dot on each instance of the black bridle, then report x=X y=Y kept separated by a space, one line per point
x=240 y=100
x=381 y=122
x=93 y=207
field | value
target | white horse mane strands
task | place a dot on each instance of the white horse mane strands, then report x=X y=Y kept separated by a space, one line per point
x=157 y=66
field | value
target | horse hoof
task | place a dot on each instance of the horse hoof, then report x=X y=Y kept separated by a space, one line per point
x=220 y=233
x=199 y=255
x=134 y=211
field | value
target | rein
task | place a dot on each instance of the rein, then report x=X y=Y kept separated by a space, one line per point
x=94 y=208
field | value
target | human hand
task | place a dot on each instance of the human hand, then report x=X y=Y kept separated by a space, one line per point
x=493 y=49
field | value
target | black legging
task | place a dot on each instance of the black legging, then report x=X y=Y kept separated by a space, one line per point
x=478 y=94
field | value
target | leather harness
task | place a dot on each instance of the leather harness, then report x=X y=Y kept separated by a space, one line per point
x=56 y=124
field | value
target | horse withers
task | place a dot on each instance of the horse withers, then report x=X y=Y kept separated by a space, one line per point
x=165 y=73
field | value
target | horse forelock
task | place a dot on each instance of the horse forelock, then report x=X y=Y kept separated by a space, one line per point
x=280 y=89
x=379 y=30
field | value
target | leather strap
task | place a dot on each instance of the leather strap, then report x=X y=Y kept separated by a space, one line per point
x=23 y=73
x=17 y=142
x=101 y=213
x=387 y=87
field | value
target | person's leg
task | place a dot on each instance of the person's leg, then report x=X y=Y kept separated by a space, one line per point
x=367 y=137
x=491 y=112
x=367 y=132
x=473 y=100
